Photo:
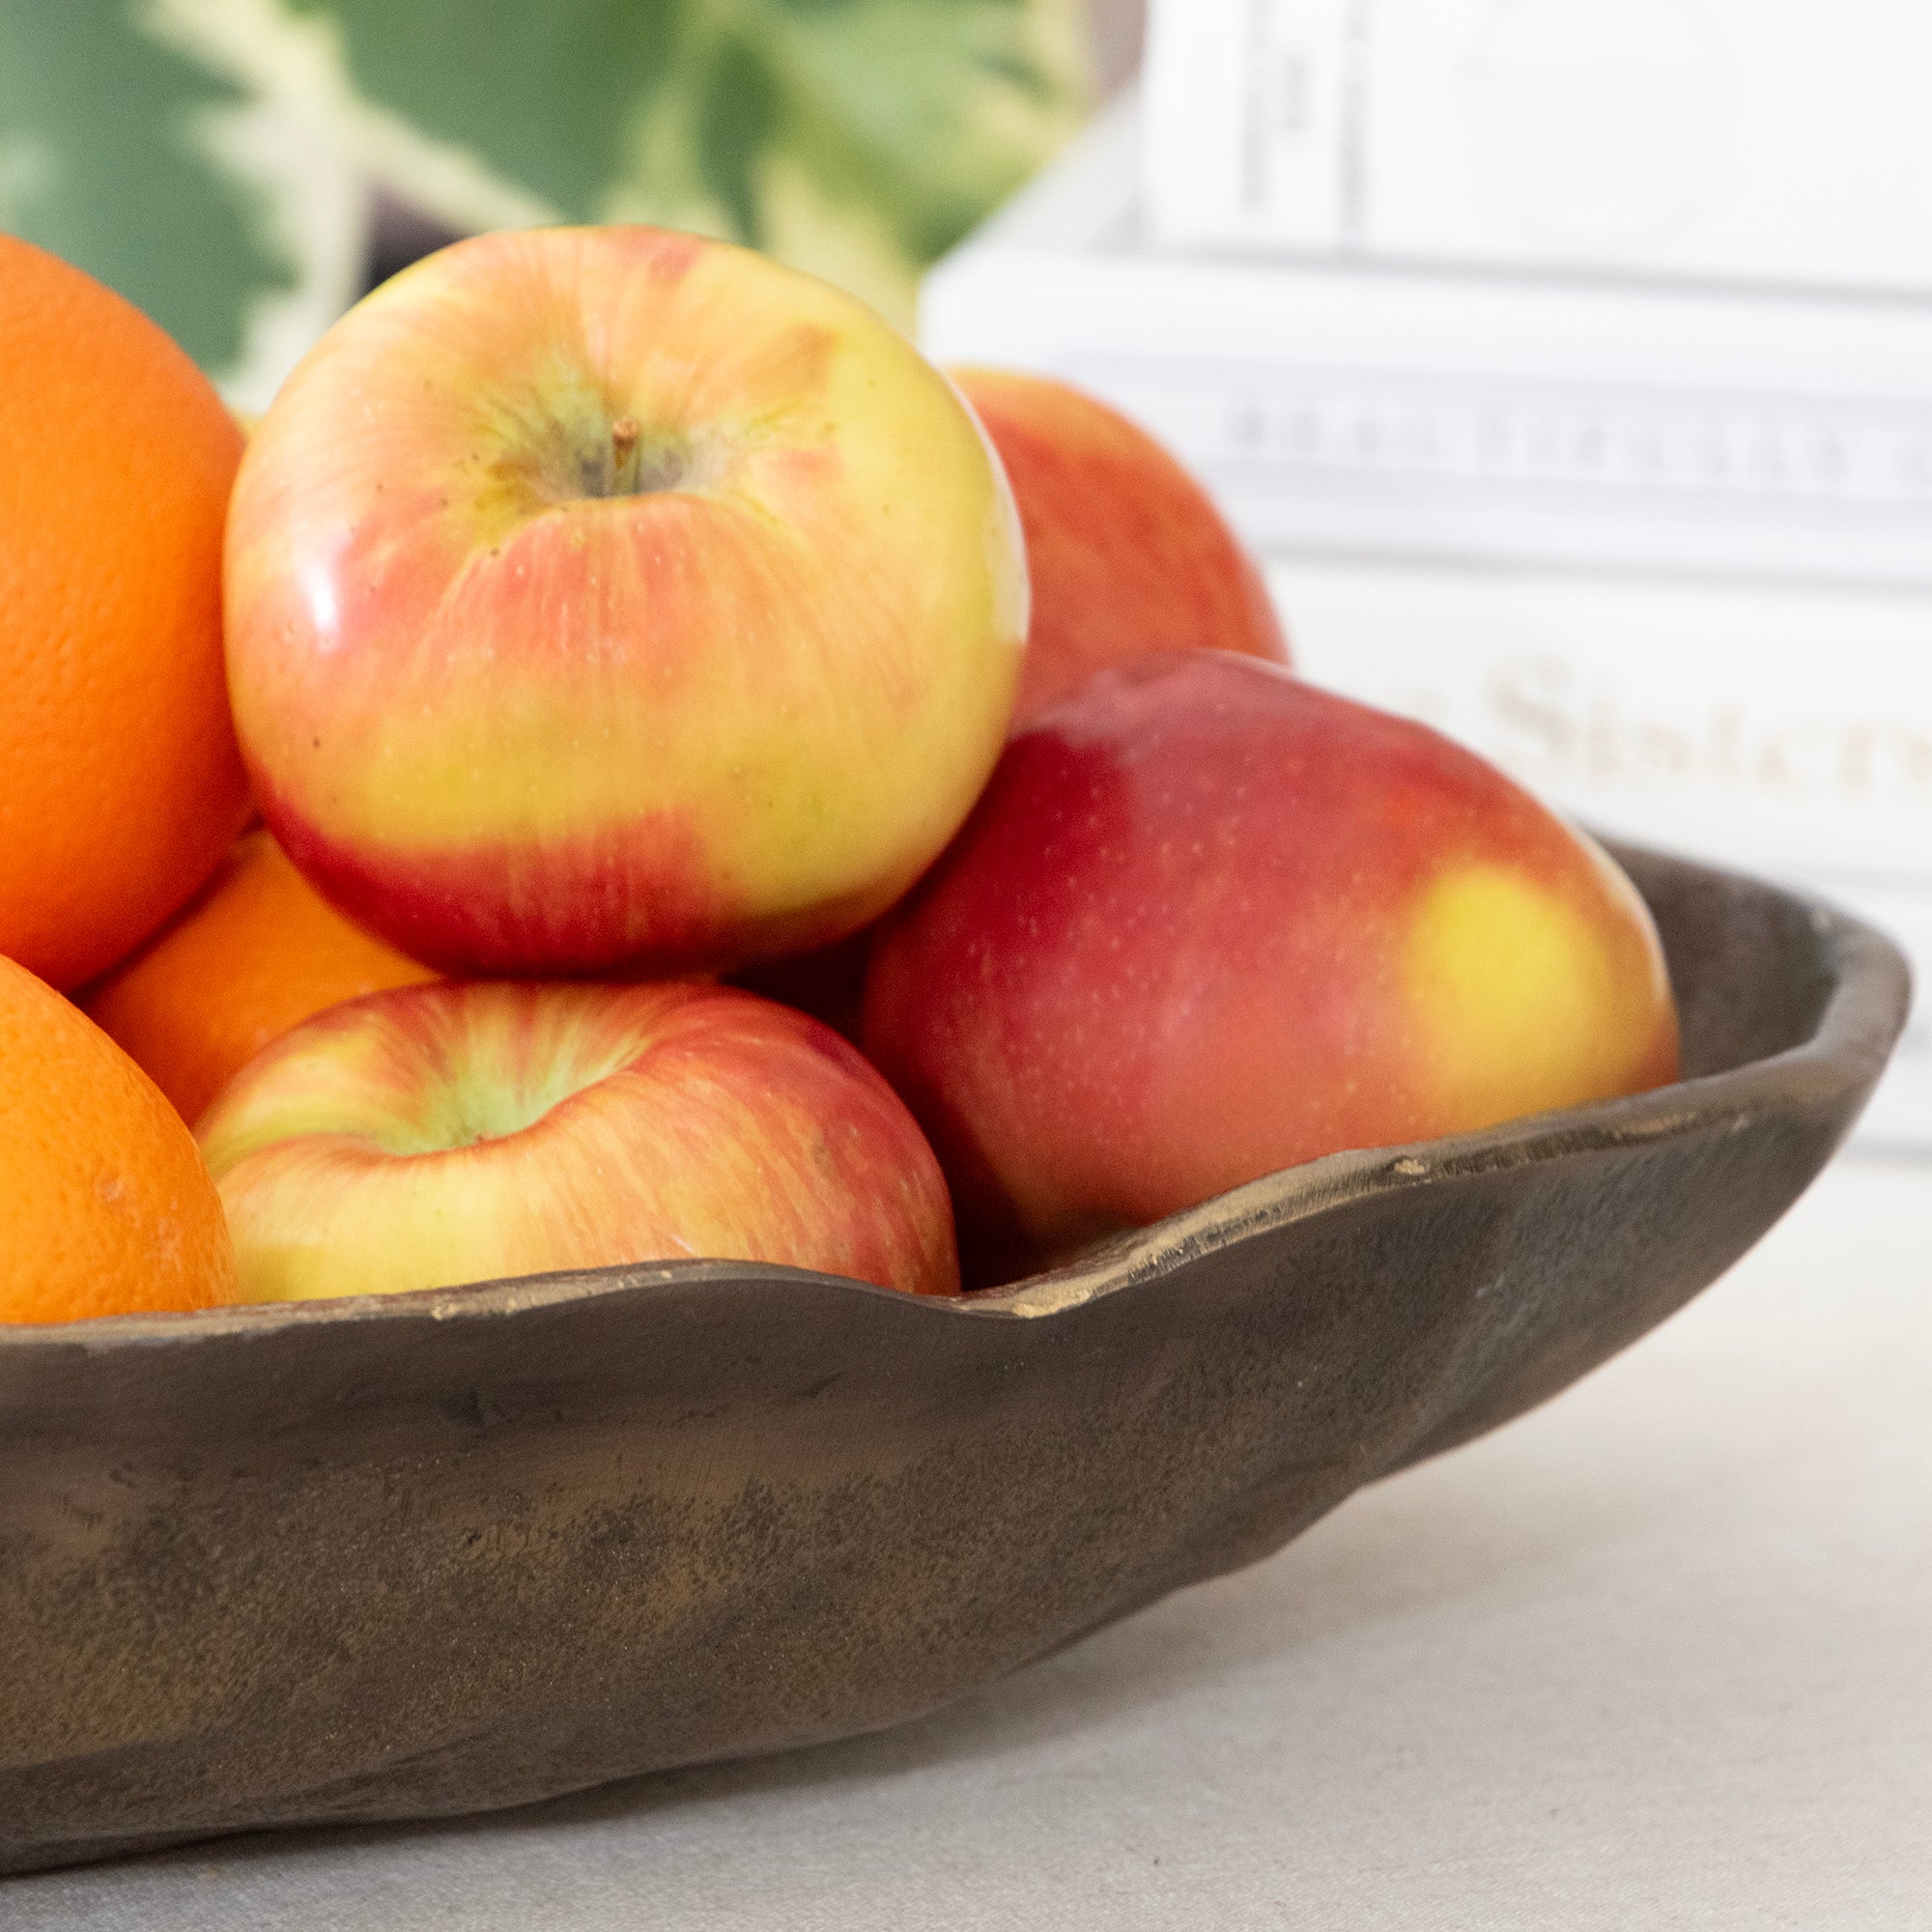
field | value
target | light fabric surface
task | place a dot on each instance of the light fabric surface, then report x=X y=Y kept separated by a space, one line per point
x=1659 y=1655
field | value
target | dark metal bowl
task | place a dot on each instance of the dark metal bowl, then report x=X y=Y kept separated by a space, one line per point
x=394 y=1558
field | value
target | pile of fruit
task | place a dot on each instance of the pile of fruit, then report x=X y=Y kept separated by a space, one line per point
x=631 y=762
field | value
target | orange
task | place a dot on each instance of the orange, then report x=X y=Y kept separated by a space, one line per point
x=120 y=782
x=106 y=1208
x=258 y=952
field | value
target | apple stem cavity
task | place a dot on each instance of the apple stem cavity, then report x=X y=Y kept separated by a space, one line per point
x=635 y=466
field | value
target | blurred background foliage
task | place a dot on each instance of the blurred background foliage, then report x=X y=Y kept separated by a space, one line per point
x=242 y=168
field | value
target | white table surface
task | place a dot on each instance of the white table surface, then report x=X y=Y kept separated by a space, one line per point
x=1658 y=1656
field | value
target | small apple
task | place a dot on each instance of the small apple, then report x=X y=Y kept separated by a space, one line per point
x=607 y=599
x=436 y=1135
x=1208 y=922
x=1126 y=553
x=257 y=951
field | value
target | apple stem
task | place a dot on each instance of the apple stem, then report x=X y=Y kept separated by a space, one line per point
x=624 y=434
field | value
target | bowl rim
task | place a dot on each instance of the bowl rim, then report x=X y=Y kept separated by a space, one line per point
x=1858 y=1023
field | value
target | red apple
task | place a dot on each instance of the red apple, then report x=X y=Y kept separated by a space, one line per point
x=1208 y=922
x=611 y=598
x=440 y=1134
x=1126 y=553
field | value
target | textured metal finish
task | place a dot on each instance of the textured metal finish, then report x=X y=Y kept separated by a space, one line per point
x=395 y=1557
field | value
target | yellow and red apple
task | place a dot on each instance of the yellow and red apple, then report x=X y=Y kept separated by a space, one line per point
x=1126 y=552
x=1208 y=922
x=440 y=1134
x=614 y=599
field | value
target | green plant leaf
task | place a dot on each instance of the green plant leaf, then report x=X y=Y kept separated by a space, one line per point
x=106 y=159
x=858 y=137
x=211 y=159
x=540 y=95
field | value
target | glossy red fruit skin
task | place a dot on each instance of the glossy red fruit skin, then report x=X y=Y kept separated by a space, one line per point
x=1171 y=951
x=462 y=1131
x=1126 y=553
